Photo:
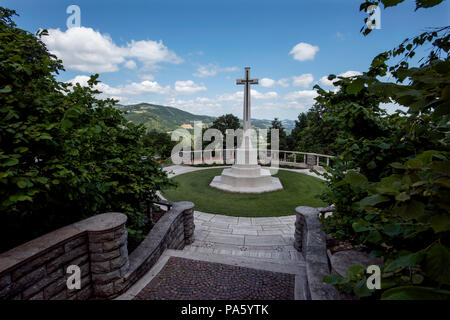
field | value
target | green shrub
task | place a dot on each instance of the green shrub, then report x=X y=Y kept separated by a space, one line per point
x=391 y=184
x=64 y=154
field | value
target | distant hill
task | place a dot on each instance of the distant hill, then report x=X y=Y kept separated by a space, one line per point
x=164 y=118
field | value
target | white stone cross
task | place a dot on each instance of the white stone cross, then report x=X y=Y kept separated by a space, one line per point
x=247 y=82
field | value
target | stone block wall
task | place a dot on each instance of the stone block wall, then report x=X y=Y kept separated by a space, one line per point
x=44 y=276
x=37 y=270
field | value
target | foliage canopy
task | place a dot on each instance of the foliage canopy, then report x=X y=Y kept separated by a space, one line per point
x=64 y=154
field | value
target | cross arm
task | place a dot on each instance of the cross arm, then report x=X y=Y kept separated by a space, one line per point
x=249 y=81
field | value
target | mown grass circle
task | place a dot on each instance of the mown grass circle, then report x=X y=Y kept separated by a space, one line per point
x=299 y=190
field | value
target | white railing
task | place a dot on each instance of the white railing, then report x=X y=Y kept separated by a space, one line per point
x=284 y=157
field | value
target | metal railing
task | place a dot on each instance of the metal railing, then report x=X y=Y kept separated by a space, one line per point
x=288 y=158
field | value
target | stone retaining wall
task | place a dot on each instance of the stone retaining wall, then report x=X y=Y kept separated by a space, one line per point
x=37 y=270
x=311 y=241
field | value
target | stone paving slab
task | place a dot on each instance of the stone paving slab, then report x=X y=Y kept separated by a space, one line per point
x=227 y=239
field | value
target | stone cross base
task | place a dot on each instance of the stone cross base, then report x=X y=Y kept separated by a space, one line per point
x=246 y=179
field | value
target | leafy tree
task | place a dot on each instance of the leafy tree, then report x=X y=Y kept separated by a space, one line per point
x=222 y=123
x=391 y=184
x=283 y=140
x=159 y=141
x=314 y=133
x=64 y=154
x=295 y=135
x=226 y=121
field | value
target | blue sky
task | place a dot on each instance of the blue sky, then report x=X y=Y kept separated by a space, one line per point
x=187 y=54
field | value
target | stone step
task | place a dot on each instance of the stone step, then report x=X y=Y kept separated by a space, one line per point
x=270 y=254
x=293 y=267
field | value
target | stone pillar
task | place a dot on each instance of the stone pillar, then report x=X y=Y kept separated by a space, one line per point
x=311 y=160
x=109 y=260
x=305 y=221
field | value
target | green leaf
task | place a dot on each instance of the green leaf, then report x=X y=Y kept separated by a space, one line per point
x=437 y=263
x=355 y=269
x=392 y=230
x=332 y=279
x=361 y=290
x=371 y=165
x=415 y=293
x=356 y=86
x=6 y=89
x=441 y=166
x=391 y=3
x=397 y=165
x=11 y=162
x=24 y=183
x=445 y=182
x=414 y=163
x=427 y=3
x=355 y=179
x=360 y=227
x=384 y=145
x=403 y=196
x=410 y=210
x=65 y=124
x=408 y=260
x=374 y=236
x=440 y=223
x=373 y=200
x=20 y=197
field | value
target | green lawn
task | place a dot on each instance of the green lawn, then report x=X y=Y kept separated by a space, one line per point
x=299 y=190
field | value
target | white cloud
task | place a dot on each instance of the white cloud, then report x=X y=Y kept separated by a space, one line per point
x=304 y=51
x=329 y=83
x=325 y=82
x=132 y=89
x=211 y=70
x=199 y=105
x=204 y=71
x=301 y=94
x=146 y=76
x=144 y=87
x=267 y=83
x=87 y=50
x=267 y=95
x=283 y=82
x=130 y=64
x=238 y=96
x=339 y=35
x=188 y=87
x=350 y=73
x=151 y=53
x=303 y=80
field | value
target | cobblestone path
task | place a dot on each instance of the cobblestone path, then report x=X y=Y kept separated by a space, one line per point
x=186 y=279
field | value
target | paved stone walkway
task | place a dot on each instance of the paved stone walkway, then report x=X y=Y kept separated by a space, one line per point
x=264 y=244
x=187 y=279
